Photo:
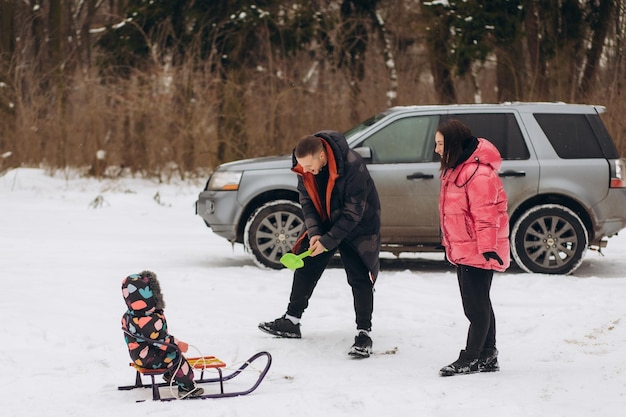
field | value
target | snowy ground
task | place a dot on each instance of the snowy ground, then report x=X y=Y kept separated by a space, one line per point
x=562 y=339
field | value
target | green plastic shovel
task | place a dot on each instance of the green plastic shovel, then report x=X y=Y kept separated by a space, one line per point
x=293 y=261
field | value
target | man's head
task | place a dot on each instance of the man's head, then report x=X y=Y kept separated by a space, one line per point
x=310 y=154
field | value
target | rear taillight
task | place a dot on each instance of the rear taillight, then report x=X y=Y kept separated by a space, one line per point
x=618 y=173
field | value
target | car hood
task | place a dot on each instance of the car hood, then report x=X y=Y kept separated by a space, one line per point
x=267 y=162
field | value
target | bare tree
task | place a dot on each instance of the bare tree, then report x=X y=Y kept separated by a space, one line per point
x=599 y=19
x=537 y=81
x=438 y=44
x=390 y=62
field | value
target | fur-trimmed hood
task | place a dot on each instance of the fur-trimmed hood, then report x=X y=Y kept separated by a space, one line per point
x=142 y=294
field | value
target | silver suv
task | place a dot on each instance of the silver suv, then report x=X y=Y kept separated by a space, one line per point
x=563 y=176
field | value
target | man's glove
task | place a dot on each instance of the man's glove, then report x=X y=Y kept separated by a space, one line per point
x=493 y=255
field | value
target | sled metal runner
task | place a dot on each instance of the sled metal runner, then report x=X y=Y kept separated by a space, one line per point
x=201 y=364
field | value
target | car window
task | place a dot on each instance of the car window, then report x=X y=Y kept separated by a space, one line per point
x=364 y=125
x=411 y=139
x=604 y=137
x=571 y=135
x=501 y=129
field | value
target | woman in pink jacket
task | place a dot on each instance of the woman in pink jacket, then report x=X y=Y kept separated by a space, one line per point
x=475 y=229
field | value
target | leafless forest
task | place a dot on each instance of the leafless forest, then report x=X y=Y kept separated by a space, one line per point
x=175 y=87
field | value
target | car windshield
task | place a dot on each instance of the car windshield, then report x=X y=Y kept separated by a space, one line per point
x=356 y=130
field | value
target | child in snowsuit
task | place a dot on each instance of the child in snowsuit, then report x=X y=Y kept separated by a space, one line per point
x=145 y=321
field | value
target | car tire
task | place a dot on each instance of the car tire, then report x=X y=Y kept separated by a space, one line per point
x=271 y=231
x=549 y=239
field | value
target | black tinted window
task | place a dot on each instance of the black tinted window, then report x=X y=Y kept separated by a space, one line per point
x=604 y=138
x=571 y=135
x=501 y=129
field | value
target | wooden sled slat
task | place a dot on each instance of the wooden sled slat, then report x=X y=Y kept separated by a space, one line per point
x=201 y=362
x=204 y=362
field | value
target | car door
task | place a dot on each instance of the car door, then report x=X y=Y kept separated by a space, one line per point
x=406 y=172
x=520 y=167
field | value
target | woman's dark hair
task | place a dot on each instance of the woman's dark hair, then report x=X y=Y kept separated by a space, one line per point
x=454 y=135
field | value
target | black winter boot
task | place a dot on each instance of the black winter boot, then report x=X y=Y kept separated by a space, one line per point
x=489 y=360
x=281 y=327
x=464 y=365
x=362 y=347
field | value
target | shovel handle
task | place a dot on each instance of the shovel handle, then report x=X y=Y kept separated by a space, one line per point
x=307 y=253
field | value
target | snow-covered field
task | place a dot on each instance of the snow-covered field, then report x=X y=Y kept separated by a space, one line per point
x=67 y=242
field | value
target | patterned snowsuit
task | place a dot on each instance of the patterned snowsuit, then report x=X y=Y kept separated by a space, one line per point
x=146 y=321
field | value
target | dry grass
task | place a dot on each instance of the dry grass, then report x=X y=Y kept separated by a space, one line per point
x=164 y=122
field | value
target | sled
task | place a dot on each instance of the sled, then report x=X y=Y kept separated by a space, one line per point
x=202 y=364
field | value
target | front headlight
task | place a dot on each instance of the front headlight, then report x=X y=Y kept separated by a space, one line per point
x=224 y=181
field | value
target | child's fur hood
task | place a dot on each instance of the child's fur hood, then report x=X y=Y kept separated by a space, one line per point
x=142 y=293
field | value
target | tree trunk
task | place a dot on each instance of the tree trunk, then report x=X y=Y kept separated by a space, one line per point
x=538 y=79
x=355 y=17
x=231 y=126
x=390 y=63
x=437 y=45
x=617 y=66
x=510 y=72
x=55 y=62
x=85 y=35
x=38 y=39
x=7 y=32
x=600 y=28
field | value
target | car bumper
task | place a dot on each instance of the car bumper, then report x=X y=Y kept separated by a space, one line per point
x=613 y=210
x=220 y=211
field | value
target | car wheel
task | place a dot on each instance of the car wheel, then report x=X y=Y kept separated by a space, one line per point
x=271 y=231
x=549 y=239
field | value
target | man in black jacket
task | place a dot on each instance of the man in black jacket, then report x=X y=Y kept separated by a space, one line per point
x=341 y=213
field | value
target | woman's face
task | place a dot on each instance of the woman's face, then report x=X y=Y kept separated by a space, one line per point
x=439 y=144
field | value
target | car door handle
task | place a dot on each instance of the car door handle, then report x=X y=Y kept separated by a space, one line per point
x=512 y=174
x=419 y=176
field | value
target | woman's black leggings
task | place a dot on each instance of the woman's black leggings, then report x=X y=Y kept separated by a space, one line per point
x=475 y=285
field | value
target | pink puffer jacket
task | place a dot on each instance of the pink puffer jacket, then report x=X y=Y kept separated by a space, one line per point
x=473 y=210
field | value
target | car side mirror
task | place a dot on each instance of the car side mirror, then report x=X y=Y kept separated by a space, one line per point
x=365 y=152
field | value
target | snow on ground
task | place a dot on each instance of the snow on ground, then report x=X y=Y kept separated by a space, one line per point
x=67 y=242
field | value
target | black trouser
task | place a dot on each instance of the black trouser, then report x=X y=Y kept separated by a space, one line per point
x=305 y=279
x=475 y=284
